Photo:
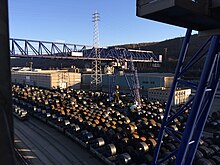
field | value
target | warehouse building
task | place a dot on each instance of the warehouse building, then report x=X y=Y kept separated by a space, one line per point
x=47 y=78
x=146 y=80
x=161 y=94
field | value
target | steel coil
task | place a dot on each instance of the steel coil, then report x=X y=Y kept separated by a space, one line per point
x=142 y=147
x=123 y=159
x=111 y=149
x=203 y=161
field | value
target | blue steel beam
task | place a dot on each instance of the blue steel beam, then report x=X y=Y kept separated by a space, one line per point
x=170 y=99
x=32 y=48
x=198 y=106
x=204 y=114
x=22 y=51
x=190 y=130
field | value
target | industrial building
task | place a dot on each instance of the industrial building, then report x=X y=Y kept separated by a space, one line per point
x=147 y=80
x=47 y=78
x=161 y=94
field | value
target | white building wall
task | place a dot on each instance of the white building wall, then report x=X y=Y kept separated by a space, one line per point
x=162 y=94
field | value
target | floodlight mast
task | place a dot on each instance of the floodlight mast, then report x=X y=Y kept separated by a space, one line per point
x=203 y=16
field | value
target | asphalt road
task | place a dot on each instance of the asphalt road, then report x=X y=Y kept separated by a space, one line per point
x=50 y=147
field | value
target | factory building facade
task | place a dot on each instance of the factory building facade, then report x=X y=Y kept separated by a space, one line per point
x=47 y=78
x=161 y=94
x=146 y=80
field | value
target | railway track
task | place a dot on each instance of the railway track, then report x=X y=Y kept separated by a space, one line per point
x=49 y=146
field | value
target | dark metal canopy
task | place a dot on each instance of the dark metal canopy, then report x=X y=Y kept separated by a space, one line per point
x=201 y=15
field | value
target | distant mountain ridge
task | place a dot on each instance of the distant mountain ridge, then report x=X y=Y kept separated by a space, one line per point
x=136 y=45
x=173 y=45
x=170 y=50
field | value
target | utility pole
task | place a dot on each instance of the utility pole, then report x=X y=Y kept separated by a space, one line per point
x=165 y=60
x=96 y=77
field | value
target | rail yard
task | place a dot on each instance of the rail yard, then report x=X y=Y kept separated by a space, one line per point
x=117 y=133
x=40 y=143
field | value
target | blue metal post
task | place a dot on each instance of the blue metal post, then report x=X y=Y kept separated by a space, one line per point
x=204 y=114
x=172 y=91
x=199 y=96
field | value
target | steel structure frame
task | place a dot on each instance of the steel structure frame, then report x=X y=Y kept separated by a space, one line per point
x=134 y=85
x=36 y=48
x=45 y=49
x=199 y=105
x=112 y=83
x=124 y=53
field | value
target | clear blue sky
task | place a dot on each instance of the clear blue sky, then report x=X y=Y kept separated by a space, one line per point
x=71 y=21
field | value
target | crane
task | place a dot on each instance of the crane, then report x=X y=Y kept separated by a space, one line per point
x=135 y=85
x=120 y=66
x=203 y=16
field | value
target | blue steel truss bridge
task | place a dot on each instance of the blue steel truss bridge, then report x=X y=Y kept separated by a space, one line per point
x=43 y=49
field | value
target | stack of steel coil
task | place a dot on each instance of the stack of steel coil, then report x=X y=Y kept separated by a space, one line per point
x=122 y=135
